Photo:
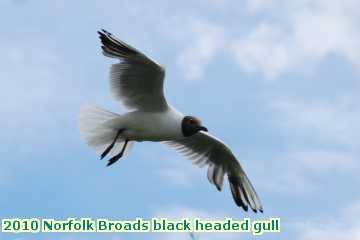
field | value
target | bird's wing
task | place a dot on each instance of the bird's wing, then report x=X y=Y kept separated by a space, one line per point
x=137 y=81
x=204 y=149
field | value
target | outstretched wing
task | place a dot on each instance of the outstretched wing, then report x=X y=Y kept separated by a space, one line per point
x=137 y=81
x=204 y=149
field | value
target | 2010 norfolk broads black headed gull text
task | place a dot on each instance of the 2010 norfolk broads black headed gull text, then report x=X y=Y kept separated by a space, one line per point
x=137 y=81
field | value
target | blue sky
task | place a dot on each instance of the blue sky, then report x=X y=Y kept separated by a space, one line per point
x=277 y=80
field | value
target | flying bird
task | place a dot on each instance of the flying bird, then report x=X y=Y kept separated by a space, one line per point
x=138 y=82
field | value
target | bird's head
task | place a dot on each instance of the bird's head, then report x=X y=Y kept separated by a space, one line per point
x=191 y=125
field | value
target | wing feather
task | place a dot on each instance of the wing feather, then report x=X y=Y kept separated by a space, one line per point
x=137 y=81
x=203 y=148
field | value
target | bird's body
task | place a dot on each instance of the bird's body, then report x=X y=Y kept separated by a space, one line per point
x=150 y=126
x=137 y=81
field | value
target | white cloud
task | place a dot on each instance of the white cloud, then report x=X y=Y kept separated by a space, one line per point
x=293 y=34
x=327 y=132
x=178 y=212
x=263 y=50
x=344 y=227
x=328 y=122
x=181 y=172
x=301 y=172
x=287 y=35
x=28 y=73
x=321 y=162
x=281 y=177
x=31 y=105
x=257 y=5
x=176 y=176
x=205 y=40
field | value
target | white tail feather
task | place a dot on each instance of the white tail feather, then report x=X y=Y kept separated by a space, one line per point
x=96 y=130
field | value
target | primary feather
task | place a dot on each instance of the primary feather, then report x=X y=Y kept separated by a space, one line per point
x=205 y=149
x=137 y=81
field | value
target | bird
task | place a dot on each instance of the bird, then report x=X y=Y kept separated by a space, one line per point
x=137 y=82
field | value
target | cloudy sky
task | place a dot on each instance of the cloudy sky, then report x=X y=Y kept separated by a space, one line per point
x=277 y=80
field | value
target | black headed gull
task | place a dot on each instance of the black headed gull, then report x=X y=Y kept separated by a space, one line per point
x=137 y=81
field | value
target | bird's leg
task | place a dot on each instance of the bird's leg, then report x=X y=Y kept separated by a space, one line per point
x=108 y=149
x=118 y=156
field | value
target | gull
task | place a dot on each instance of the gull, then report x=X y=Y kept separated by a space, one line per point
x=137 y=82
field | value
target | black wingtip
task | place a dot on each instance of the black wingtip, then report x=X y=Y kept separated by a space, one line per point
x=105 y=33
x=102 y=156
x=241 y=197
x=100 y=33
x=110 y=163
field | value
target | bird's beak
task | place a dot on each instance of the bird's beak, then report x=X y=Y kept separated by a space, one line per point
x=203 y=128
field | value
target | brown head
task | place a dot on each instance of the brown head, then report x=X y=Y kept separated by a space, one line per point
x=191 y=125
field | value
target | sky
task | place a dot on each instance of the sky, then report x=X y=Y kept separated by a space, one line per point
x=277 y=80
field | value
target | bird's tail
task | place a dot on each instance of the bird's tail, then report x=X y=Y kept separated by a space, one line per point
x=98 y=130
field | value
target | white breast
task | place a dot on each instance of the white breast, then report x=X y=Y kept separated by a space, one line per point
x=153 y=126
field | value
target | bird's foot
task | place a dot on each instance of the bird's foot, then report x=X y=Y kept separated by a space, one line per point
x=108 y=149
x=118 y=156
